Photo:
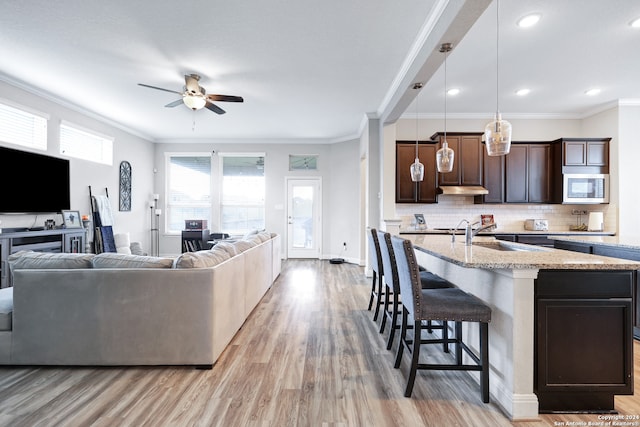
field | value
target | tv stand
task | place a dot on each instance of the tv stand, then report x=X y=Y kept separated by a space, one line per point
x=57 y=240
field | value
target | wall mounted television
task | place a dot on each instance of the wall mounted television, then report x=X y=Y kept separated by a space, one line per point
x=33 y=183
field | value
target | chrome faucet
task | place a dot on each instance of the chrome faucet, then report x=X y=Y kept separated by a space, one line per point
x=470 y=233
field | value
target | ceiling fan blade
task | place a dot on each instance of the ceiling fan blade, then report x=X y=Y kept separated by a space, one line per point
x=191 y=83
x=159 y=88
x=214 y=108
x=226 y=98
x=175 y=103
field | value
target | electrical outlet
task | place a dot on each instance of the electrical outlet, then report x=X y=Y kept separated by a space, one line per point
x=579 y=212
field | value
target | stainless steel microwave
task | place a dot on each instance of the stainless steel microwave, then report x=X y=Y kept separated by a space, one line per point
x=585 y=188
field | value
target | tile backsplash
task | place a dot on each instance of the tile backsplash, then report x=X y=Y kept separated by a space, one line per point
x=449 y=210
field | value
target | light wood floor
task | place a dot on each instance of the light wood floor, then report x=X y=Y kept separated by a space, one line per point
x=309 y=355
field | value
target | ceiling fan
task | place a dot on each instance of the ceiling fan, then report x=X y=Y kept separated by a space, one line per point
x=194 y=96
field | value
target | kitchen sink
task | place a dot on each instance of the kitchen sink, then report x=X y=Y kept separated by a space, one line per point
x=504 y=246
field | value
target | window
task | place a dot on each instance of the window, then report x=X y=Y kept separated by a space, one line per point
x=189 y=189
x=85 y=144
x=22 y=127
x=243 y=190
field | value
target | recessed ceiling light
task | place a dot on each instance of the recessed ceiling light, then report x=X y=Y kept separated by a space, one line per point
x=453 y=91
x=592 y=92
x=529 y=20
x=635 y=23
x=523 y=92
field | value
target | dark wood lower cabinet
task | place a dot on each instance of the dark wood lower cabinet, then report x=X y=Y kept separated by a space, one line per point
x=614 y=252
x=584 y=343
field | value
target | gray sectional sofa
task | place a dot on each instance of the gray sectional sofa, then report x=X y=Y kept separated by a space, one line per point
x=117 y=309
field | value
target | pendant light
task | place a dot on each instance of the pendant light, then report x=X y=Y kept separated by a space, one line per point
x=417 y=168
x=444 y=156
x=497 y=134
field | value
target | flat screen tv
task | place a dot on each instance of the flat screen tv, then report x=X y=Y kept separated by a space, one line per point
x=33 y=183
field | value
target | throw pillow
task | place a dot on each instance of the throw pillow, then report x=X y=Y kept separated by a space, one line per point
x=45 y=260
x=228 y=247
x=199 y=259
x=116 y=260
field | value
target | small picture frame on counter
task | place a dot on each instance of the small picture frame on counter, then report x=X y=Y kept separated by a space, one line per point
x=421 y=224
x=487 y=219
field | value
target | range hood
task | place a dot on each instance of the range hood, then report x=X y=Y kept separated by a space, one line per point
x=462 y=190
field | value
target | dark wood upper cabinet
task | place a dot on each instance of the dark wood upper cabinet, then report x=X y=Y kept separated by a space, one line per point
x=531 y=175
x=408 y=191
x=492 y=178
x=467 y=162
x=585 y=155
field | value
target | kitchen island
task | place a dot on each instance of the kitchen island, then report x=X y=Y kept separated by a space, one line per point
x=556 y=314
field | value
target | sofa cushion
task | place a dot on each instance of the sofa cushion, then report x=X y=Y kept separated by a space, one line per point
x=6 y=309
x=43 y=260
x=227 y=247
x=116 y=260
x=200 y=259
x=243 y=245
x=264 y=236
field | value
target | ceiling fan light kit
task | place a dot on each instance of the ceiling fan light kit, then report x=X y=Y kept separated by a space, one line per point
x=195 y=96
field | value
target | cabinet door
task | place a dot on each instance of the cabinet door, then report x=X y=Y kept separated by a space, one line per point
x=427 y=188
x=516 y=182
x=493 y=178
x=471 y=149
x=539 y=173
x=408 y=191
x=597 y=153
x=575 y=153
x=467 y=162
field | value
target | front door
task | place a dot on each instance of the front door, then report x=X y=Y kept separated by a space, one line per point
x=304 y=225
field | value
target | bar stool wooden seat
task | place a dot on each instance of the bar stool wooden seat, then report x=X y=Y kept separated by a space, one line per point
x=392 y=295
x=451 y=304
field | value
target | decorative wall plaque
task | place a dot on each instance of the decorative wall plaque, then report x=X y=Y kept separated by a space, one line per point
x=125 y=186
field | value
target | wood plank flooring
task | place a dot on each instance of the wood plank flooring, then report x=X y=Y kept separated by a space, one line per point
x=309 y=355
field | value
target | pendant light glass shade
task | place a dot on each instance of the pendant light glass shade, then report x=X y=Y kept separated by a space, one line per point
x=417 y=171
x=497 y=134
x=444 y=158
x=445 y=155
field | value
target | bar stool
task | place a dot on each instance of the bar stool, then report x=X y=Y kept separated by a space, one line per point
x=375 y=258
x=392 y=295
x=452 y=304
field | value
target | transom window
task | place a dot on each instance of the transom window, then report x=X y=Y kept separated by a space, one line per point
x=23 y=126
x=85 y=144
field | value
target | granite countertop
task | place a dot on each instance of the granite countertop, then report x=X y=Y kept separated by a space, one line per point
x=512 y=231
x=529 y=257
x=630 y=242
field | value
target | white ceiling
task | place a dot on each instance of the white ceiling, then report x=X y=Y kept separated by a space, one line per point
x=313 y=70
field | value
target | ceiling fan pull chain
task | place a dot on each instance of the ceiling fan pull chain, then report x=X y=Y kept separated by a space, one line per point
x=193 y=127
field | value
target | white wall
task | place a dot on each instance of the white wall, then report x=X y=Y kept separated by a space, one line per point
x=338 y=166
x=83 y=174
x=627 y=158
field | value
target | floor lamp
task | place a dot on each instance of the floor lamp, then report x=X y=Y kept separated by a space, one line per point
x=155 y=226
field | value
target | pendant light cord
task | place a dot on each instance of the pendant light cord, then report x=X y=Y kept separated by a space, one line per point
x=417 y=95
x=497 y=53
x=445 y=95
